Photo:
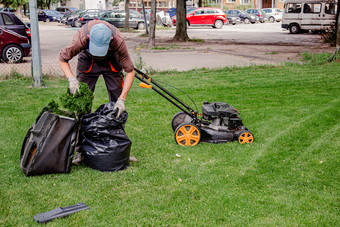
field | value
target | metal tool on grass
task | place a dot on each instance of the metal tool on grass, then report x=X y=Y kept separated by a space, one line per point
x=218 y=123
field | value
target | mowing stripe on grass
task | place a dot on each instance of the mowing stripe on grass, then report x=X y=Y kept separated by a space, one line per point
x=268 y=141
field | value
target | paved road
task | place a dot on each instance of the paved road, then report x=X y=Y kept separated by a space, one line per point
x=266 y=33
x=240 y=45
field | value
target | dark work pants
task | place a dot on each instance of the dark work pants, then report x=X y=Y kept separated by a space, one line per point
x=113 y=82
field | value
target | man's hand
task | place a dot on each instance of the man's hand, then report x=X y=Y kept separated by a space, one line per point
x=120 y=105
x=73 y=85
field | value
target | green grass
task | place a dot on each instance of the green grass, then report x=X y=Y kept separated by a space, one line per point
x=272 y=53
x=288 y=177
x=166 y=47
x=197 y=40
x=169 y=47
x=317 y=59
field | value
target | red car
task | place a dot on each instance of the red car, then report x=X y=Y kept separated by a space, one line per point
x=13 y=47
x=205 y=16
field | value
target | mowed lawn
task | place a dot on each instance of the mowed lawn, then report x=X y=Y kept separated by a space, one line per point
x=289 y=176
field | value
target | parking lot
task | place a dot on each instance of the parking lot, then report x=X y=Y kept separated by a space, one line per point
x=233 y=45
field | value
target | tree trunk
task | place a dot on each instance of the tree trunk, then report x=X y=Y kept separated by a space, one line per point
x=181 y=22
x=337 y=42
x=25 y=9
x=18 y=12
x=152 y=24
x=337 y=36
x=127 y=15
x=48 y=2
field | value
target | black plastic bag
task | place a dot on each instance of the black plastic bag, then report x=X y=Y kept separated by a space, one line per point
x=105 y=146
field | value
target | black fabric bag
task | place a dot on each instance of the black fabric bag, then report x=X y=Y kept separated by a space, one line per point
x=49 y=145
x=105 y=146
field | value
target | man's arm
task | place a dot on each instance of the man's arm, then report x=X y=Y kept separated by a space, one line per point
x=67 y=54
x=73 y=83
x=79 y=42
x=120 y=104
x=65 y=67
x=127 y=84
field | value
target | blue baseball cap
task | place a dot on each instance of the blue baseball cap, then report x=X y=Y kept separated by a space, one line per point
x=100 y=37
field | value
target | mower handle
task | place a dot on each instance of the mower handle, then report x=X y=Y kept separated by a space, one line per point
x=146 y=82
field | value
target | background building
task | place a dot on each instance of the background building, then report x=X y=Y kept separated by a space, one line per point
x=85 y=4
x=166 y=4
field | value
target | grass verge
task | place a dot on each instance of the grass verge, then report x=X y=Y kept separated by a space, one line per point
x=288 y=176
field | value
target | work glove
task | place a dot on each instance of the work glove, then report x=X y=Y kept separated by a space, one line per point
x=73 y=85
x=120 y=105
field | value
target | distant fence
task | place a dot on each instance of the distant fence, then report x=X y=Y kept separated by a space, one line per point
x=48 y=68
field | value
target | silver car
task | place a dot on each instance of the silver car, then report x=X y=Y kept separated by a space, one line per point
x=273 y=14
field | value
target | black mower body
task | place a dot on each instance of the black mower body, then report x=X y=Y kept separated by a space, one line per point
x=218 y=110
x=221 y=123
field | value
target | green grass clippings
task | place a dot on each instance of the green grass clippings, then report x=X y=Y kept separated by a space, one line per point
x=53 y=106
x=73 y=105
x=79 y=103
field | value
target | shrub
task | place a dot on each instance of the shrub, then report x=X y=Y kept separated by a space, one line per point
x=329 y=37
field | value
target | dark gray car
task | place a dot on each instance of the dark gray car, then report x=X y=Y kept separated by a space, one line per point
x=259 y=13
x=88 y=15
x=245 y=17
x=233 y=19
x=118 y=20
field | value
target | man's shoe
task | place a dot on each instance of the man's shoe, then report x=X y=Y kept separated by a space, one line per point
x=133 y=159
x=78 y=158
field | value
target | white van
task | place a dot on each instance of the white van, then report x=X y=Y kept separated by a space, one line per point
x=315 y=15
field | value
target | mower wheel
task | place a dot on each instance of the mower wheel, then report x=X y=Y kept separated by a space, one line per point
x=180 y=118
x=187 y=134
x=245 y=137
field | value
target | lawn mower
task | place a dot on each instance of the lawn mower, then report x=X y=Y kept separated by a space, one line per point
x=218 y=123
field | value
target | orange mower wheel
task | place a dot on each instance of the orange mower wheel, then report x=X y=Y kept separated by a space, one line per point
x=187 y=134
x=245 y=137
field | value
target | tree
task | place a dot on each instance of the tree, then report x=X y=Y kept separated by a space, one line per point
x=338 y=29
x=6 y=3
x=48 y=4
x=152 y=24
x=337 y=39
x=337 y=45
x=127 y=15
x=181 y=22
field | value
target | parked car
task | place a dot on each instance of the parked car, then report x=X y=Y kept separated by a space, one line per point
x=88 y=15
x=308 y=15
x=148 y=13
x=172 y=11
x=48 y=15
x=132 y=13
x=13 y=47
x=259 y=13
x=56 y=13
x=7 y=9
x=205 y=16
x=65 y=10
x=11 y=22
x=118 y=20
x=233 y=19
x=71 y=18
x=245 y=17
x=64 y=18
x=273 y=14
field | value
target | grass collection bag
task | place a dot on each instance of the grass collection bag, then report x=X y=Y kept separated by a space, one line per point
x=49 y=145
